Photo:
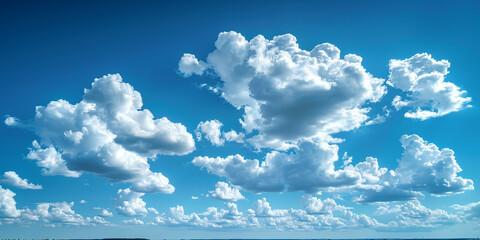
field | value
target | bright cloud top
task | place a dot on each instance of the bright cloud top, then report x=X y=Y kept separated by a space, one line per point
x=223 y=191
x=129 y=203
x=422 y=77
x=211 y=131
x=108 y=134
x=287 y=93
x=11 y=178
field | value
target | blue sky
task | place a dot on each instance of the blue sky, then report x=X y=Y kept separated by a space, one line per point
x=359 y=119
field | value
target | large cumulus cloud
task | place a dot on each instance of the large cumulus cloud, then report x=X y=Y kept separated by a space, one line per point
x=423 y=167
x=309 y=168
x=288 y=93
x=108 y=134
x=428 y=95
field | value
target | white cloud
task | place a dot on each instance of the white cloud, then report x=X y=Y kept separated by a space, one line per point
x=262 y=216
x=194 y=197
x=469 y=211
x=12 y=121
x=129 y=203
x=8 y=205
x=422 y=168
x=261 y=208
x=152 y=210
x=104 y=212
x=380 y=118
x=51 y=214
x=288 y=93
x=309 y=168
x=83 y=201
x=224 y=192
x=50 y=160
x=108 y=134
x=11 y=178
x=233 y=136
x=189 y=65
x=414 y=214
x=133 y=221
x=428 y=95
x=210 y=130
x=60 y=212
x=315 y=205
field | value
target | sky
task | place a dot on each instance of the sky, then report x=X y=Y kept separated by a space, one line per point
x=252 y=119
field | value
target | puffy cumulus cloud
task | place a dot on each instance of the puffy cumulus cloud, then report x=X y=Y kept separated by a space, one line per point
x=428 y=95
x=422 y=168
x=210 y=130
x=8 y=205
x=309 y=168
x=12 y=121
x=261 y=208
x=425 y=167
x=314 y=205
x=104 y=212
x=11 y=178
x=189 y=65
x=288 y=93
x=413 y=214
x=469 y=211
x=60 y=212
x=212 y=218
x=262 y=216
x=133 y=221
x=108 y=134
x=224 y=192
x=50 y=160
x=51 y=214
x=129 y=203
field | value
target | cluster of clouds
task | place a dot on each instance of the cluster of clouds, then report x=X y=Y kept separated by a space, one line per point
x=49 y=214
x=293 y=102
x=287 y=93
x=413 y=214
x=107 y=134
x=320 y=214
x=315 y=214
x=423 y=167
